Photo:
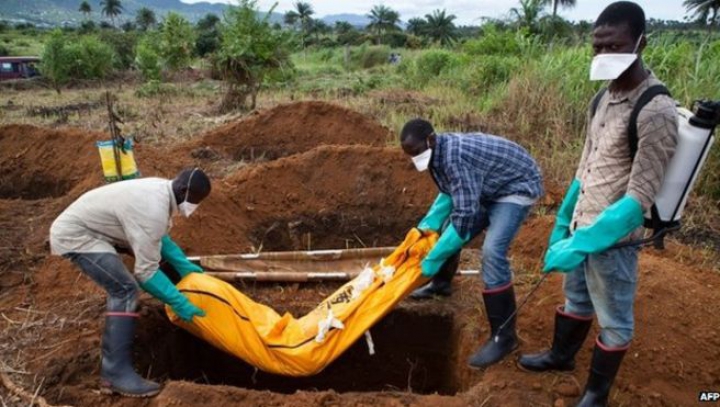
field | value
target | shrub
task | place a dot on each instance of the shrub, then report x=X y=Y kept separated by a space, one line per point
x=5 y=51
x=177 y=42
x=123 y=45
x=89 y=58
x=148 y=61
x=55 y=64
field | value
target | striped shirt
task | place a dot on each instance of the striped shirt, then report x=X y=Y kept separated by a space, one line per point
x=476 y=169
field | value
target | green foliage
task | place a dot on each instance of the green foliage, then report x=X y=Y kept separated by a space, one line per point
x=5 y=51
x=87 y=27
x=251 y=51
x=111 y=8
x=4 y=26
x=147 y=60
x=145 y=19
x=177 y=42
x=208 y=39
x=89 y=58
x=123 y=45
x=55 y=64
x=496 y=42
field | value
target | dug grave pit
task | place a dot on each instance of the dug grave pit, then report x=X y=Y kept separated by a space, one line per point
x=415 y=351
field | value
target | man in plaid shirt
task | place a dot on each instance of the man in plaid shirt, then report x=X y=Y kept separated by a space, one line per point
x=486 y=183
x=604 y=205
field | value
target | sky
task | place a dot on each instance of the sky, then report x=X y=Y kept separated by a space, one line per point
x=470 y=11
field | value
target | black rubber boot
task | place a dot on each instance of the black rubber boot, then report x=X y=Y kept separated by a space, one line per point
x=570 y=333
x=117 y=373
x=605 y=365
x=499 y=305
x=441 y=284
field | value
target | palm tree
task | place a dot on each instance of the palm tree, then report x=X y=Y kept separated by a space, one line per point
x=528 y=15
x=145 y=18
x=85 y=8
x=706 y=11
x=382 y=20
x=562 y=3
x=343 y=27
x=112 y=9
x=416 y=26
x=440 y=27
x=303 y=15
x=291 y=18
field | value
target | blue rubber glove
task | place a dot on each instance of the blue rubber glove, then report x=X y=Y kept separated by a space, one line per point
x=565 y=213
x=613 y=224
x=173 y=254
x=438 y=213
x=160 y=287
x=448 y=244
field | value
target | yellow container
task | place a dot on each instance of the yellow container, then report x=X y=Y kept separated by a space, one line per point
x=127 y=161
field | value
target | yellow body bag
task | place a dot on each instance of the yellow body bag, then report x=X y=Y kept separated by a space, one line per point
x=288 y=346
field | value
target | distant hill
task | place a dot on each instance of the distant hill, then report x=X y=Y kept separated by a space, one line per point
x=54 y=12
x=356 y=20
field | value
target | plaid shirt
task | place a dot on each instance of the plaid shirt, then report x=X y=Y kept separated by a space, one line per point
x=476 y=169
x=607 y=172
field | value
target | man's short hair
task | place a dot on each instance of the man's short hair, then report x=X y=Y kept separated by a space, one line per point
x=418 y=129
x=199 y=184
x=623 y=12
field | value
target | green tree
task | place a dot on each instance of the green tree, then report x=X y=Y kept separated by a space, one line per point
x=704 y=11
x=147 y=58
x=301 y=16
x=342 y=27
x=416 y=26
x=528 y=15
x=440 y=27
x=145 y=18
x=382 y=20
x=251 y=52
x=561 y=3
x=55 y=65
x=177 y=42
x=85 y=9
x=208 y=40
x=112 y=9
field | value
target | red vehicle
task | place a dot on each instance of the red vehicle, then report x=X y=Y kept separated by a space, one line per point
x=18 y=67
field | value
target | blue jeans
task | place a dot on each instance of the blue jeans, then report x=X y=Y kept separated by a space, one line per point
x=605 y=284
x=109 y=272
x=502 y=221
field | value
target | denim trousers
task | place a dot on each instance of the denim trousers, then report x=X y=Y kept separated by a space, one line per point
x=605 y=284
x=501 y=221
x=108 y=271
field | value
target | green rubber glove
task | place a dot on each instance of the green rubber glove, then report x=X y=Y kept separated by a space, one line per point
x=613 y=224
x=160 y=287
x=565 y=213
x=438 y=213
x=173 y=254
x=448 y=244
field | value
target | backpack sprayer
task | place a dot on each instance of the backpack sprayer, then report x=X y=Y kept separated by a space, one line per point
x=695 y=138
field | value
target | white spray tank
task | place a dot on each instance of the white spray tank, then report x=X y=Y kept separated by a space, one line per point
x=695 y=137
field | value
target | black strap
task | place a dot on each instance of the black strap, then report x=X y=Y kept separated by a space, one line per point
x=596 y=102
x=648 y=95
x=659 y=227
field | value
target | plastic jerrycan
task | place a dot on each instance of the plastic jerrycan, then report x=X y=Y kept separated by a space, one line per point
x=695 y=138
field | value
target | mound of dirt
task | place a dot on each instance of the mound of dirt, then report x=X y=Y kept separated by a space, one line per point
x=38 y=163
x=293 y=128
x=333 y=197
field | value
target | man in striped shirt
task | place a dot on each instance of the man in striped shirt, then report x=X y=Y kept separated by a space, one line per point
x=486 y=183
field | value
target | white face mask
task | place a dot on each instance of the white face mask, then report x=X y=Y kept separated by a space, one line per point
x=608 y=67
x=422 y=160
x=186 y=208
